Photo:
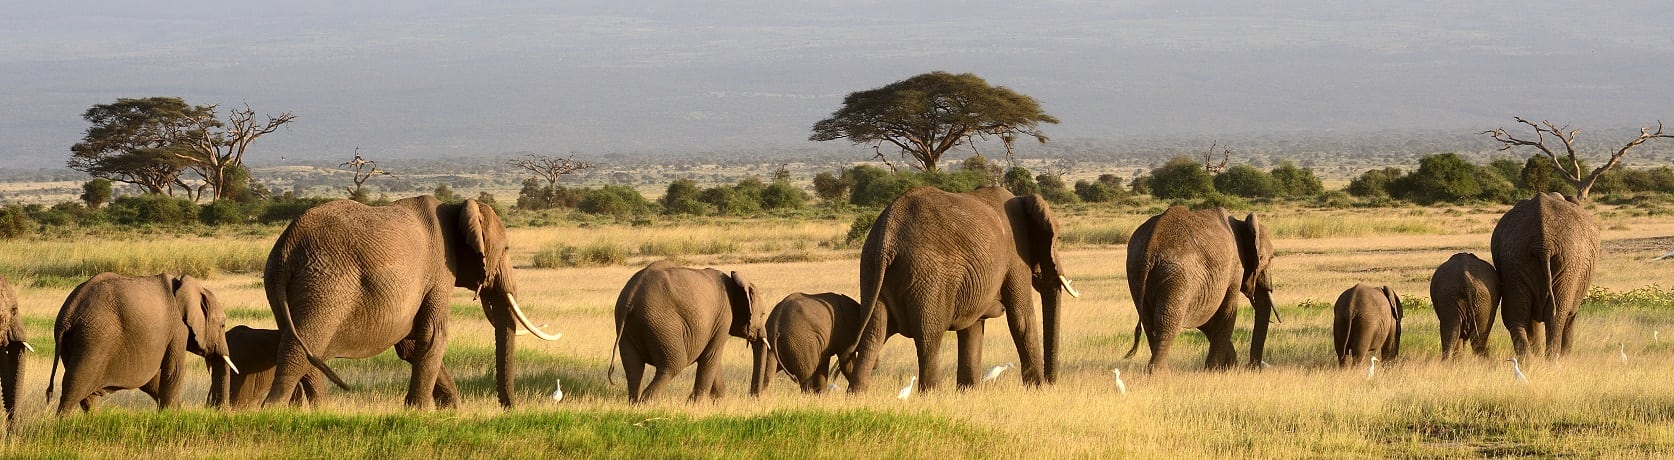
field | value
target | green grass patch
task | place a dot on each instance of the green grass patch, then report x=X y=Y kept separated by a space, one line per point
x=602 y=253
x=533 y=434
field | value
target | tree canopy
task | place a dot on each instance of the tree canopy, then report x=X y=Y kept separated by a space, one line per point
x=929 y=114
x=151 y=141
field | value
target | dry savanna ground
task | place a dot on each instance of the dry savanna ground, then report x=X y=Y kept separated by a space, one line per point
x=1589 y=404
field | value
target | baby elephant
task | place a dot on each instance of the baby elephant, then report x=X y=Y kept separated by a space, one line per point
x=255 y=352
x=119 y=332
x=670 y=316
x=1466 y=291
x=1366 y=319
x=805 y=331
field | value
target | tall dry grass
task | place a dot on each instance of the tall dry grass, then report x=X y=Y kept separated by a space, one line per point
x=1587 y=405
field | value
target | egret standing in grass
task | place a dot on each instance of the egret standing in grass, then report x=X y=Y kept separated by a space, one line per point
x=996 y=371
x=1264 y=365
x=558 y=394
x=907 y=391
x=1120 y=387
x=1517 y=372
x=1373 y=369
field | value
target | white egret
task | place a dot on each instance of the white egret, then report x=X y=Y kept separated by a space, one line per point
x=1373 y=369
x=1264 y=365
x=1653 y=336
x=907 y=391
x=558 y=394
x=832 y=387
x=996 y=371
x=1120 y=387
x=1621 y=351
x=1517 y=372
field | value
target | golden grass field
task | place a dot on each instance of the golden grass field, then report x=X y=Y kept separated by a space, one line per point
x=1589 y=404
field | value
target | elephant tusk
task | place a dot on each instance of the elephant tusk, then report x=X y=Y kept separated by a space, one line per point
x=230 y=365
x=27 y=346
x=525 y=332
x=1066 y=283
x=517 y=312
x=767 y=344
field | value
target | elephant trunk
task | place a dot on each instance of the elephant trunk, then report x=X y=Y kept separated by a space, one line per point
x=762 y=371
x=220 y=381
x=11 y=375
x=505 y=346
x=1049 y=299
x=1263 y=303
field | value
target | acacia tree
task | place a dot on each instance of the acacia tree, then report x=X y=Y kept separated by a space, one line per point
x=1570 y=166
x=929 y=114
x=151 y=141
x=550 y=167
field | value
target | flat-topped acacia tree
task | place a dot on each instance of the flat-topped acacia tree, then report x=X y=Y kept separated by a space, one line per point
x=929 y=114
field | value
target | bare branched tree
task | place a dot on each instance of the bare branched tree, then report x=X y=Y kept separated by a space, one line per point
x=1209 y=160
x=216 y=146
x=550 y=167
x=1570 y=163
x=364 y=169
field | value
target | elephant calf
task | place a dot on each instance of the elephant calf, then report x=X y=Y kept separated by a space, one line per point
x=255 y=352
x=1466 y=291
x=1366 y=318
x=670 y=316
x=805 y=331
x=119 y=332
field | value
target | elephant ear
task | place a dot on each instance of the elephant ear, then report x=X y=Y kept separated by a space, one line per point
x=1253 y=252
x=188 y=298
x=473 y=230
x=742 y=294
x=1394 y=302
x=1042 y=236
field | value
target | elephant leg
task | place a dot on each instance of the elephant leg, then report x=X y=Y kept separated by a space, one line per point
x=167 y=383
x=90 y=402
x=1449 y=339
x=865 y=358
x=970 y=355
x=1160 y=340
x=78 y=385
x=1537 y=338
x=1569 y=332
x=708 y=369
x=446 y=392
x=929 y=360
x=1017 y=296
x=1222 y=355
x=430 y=342
x=815 y=383
x=633 y=370
x=664 y=375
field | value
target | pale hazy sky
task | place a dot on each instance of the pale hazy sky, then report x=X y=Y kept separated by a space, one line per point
x=437 y=78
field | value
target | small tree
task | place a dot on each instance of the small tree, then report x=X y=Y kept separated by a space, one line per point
x=363 y=169
x=1295 y=182
x=550 y=168
x=929 y=114
x=831 y=188
x=445 y=193
x=1570 y=165
x=1180 y=179
x=1020 y=181
x=96 y=192
x=1053 y=189
x=1246 y=181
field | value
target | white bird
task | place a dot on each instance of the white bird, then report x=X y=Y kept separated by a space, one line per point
x=1264 y=365
x=1621 y=351
x=996 y=371
x=832 y=387
x=1120 y=387
x=907 y=391
x=1373 y=369
x=1517 y=371
x=558 y=394
x=1653 y=336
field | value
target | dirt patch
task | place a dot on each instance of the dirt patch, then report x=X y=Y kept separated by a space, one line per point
x=1659 y=245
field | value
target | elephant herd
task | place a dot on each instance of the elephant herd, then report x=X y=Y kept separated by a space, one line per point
x=347 y=280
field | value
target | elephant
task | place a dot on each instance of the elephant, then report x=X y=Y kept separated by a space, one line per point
x=806 y=331
x=669 y=317
x=1545 y=249
x=936 y=261
x=13 y=343
x=347 y=280
x=1366 y=318
x=119 y=332
x=254 y=351
x=1465 y=290
x=1186 y=269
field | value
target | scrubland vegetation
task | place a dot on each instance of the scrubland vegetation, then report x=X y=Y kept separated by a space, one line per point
x=572 y=266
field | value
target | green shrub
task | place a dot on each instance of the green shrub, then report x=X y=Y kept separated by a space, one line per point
x=1099 y=191
x=1219 y=200
x=286 y=209
x=1053 y=189
x=783 y=195
x=729 y=201
x=14 y=222
x=96 y=192
x=1182 y=178
x=153 y=209
x=1246 y=181
x=615 y=200
x=1374 y=183
x=876 y=187
x=859 y=228
x=223 y=212
x=831 y=188
x=1293 y=182
x=681 y=198
x=598 y=254
x=1020 y=181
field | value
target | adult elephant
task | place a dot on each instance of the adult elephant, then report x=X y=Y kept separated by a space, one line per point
x=1187 y=269
x=937 y=261
x=119 y=332
x=1545 y=249
x=347 y=280
x=670 y=317
x=1465 y=291
x=12 y=345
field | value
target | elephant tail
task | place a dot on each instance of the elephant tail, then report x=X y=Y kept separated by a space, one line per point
x=283 y=311
x=1348 y=331
x=1551 y=294
x=610 y=371
x=1138 y=327
x=1467 y=318
x=56 y=350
